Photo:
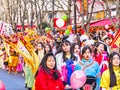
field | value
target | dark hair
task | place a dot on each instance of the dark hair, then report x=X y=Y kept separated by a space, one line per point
x=85 y=48
x=59 y=50
x=73 y=47
x=78 y=40
x=41 y=45
x=99 y=36
x=44 y=60
x=72 y=50
x=107 y=38
x=66 y=42
x=64 y=53
x=43 y=66
x=95 y=49
x=64 y=38
x=112 y=73
x=49 y=47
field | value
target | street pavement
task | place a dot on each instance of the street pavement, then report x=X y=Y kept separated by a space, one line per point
x=12 y=81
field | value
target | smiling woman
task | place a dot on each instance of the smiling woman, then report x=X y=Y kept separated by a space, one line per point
x=48 y=77
x=111 y=77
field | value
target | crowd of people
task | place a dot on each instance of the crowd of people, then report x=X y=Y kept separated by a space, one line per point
x=59 y=56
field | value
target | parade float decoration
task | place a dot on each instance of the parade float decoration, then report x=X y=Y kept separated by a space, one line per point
x=29 y=54
x=26 y=41
x=60 y=24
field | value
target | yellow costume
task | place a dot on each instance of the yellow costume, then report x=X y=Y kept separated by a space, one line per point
x=14 y=58
x=105 y=80
x=1 y=56
x=13 y=61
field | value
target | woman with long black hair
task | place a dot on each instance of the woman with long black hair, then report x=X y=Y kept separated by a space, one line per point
x=48 y=77
x=47 y=49
x=101 y=56
x=66 y=61
x=111 y=77
x=91 y=69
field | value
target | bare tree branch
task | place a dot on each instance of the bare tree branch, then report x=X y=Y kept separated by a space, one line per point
x=108 y=12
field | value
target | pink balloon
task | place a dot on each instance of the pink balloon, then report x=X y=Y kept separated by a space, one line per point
x=2 y=86
x=78 y=79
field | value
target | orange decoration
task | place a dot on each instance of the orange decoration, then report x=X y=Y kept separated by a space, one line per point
x=69 y=27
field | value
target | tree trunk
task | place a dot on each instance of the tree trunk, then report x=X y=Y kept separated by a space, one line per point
x=82 y=13
x=69 y=11
x=36 y=15
x=89 y=15
x=108 y=12
x=22 y=16
x=118 y=15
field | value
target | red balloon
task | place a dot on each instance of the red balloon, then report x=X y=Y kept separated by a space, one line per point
x=2 y=86
x=78 y=79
